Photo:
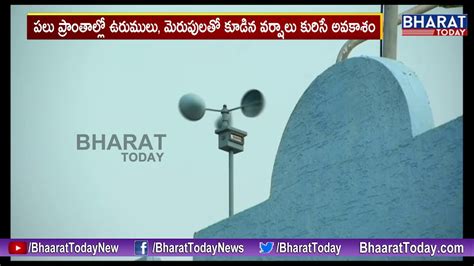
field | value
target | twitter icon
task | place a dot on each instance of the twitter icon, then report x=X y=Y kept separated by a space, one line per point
x=266 y=248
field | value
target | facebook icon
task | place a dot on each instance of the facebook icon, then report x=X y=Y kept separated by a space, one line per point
x=141 y=247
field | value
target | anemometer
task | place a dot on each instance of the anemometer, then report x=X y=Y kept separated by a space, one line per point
x=230 y=139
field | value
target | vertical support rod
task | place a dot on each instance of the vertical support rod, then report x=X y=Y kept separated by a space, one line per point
x=231 y=183
x=390 y=22
x=381 y=41
x=351 y=44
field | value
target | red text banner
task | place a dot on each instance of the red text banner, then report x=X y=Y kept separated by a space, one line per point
x=203 y=26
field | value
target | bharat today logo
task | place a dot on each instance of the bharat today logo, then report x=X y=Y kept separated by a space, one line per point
x=132 y=148
x=434 y=25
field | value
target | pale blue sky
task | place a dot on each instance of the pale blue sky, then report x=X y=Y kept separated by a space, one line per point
x=62 y=88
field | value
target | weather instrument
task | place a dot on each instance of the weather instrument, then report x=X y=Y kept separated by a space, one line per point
x=230 y=139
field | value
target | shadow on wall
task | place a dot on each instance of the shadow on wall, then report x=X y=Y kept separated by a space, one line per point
x=359 y=158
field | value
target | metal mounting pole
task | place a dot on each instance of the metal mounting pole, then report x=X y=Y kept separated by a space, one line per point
x=390 y=27
x=231 y=183
x=351 y=44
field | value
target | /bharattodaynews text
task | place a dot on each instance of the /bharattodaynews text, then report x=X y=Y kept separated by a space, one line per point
x=189 y=247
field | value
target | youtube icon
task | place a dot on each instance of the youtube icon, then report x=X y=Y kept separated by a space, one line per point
x=17 y=247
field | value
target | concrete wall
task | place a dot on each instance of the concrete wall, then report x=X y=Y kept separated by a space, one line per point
x=359 y=158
